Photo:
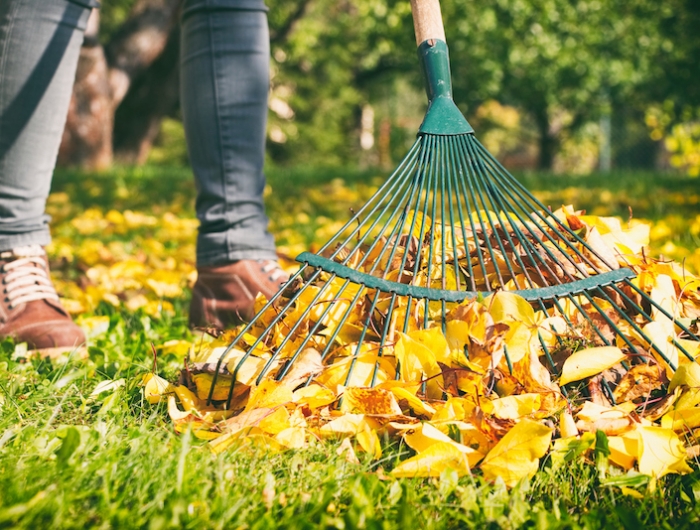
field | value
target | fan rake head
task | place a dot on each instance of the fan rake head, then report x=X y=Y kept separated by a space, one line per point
x=451 y=225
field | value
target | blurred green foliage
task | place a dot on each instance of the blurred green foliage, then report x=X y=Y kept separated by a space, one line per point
x=562 y=64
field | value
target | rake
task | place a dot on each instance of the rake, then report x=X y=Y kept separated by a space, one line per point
x=448 y=225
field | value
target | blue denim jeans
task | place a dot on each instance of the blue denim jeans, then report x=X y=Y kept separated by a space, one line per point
x=224 y=87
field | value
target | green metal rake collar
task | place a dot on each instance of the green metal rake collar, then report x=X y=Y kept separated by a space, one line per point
x=442 y=117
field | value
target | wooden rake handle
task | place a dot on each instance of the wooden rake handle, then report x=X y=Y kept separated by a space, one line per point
x=427 y=20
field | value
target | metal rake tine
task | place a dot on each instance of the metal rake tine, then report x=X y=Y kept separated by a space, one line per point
x=245 y=330
x=393 y=180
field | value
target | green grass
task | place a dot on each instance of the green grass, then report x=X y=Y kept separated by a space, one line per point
x=69 y=460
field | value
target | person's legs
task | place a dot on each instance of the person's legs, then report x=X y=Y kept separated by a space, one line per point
x=39 y=47
x=224 y=91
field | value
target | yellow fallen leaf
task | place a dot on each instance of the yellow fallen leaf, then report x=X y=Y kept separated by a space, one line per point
x=364 y=367
x=662 y=452
x=345 y=424
x=630 y=492
x=418 y=362
x=639 y=381
x=345 y=449
x=435 y=340
x=416 y=405
x=155 y=387
x=188 y=399
x=457 y=334
x=369 y=441
x=661 y=335
x=682 y=419
x=269 y=393
x=307 y=365
x=179 y=348
x=94 y=326
x=276 y=422
x=292 y=437
x=588 y=362
x=433 y=461
x=686 y=375
x=249 y=436
x=423 y=436
x=369 y=401
x=517 y=454
x=204 y=381
x=624 y=450
x=611 y=420
x=507 y=307
x=567 y=425
x=313 y=396
x=513 y=407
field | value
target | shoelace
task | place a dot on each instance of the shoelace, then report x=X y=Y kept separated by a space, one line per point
x=274 y=270
x=27 y=281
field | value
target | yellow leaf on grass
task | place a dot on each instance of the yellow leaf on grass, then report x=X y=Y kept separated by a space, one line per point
x=630 y=492
x=662 y=452
x=423 y=436
x=535 y=377
x=276 y=422
x=567 y=425
x=345 y=424
x=165 y=284
x=369 y=441
x=612 y=421
x=179 y=348
x=292 y=437
x=518 y=453
x=94 y=326
x=588 y=362
x=624 y=450
x=307 y=365
x=433 y=461
x=155 y=387
x=188 y=399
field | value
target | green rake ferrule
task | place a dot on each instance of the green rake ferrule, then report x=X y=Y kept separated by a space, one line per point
x=426 y=293
x=443 y=117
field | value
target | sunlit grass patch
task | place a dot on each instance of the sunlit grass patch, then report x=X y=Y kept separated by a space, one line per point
x=72 y=456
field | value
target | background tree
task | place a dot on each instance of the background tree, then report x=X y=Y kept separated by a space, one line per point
x=344 y=70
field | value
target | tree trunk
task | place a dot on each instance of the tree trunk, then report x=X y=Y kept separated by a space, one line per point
x=87 y=137
x=152 y=97
x=106 y=75
x=548 y=142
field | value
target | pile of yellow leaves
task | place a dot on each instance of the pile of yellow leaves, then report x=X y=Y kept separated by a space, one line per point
x=150 y=268
x=472 y=392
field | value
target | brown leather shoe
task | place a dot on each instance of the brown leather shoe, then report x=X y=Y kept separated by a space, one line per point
x=30 y=310
x=224 y=295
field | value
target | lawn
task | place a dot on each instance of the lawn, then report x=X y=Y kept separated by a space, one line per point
x=73 y=455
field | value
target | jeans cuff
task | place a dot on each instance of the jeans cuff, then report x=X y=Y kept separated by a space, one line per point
x=10 y=241
x=207 y=259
